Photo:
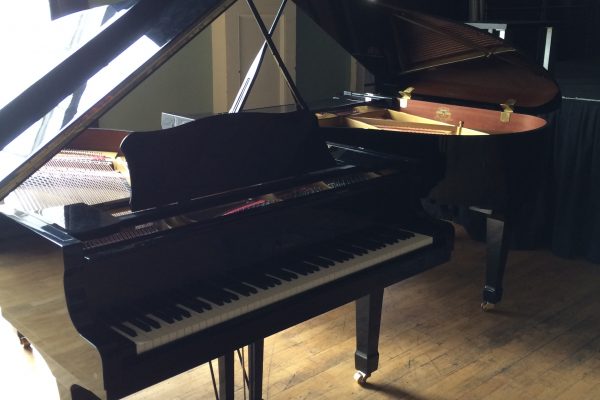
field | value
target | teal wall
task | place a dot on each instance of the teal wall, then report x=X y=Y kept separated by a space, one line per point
x=183 y=85
x=322 y=66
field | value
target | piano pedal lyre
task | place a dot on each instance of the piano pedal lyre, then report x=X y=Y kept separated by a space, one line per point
x=24 y=342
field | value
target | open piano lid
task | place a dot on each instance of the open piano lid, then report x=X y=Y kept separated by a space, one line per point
x=442 y=60
x=132 y=38
x=120 y=45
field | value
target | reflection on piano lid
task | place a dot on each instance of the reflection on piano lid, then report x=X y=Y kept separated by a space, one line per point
x=402 y=48
x=80 y=86
x=440 y=60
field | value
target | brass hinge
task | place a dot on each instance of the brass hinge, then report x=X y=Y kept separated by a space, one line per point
x=405 y=96
x=507 y=109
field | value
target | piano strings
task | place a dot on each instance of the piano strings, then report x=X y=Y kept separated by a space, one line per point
x=73 y=176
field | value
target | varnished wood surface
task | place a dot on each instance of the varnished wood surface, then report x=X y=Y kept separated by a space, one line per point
x=543 y=341
x=33 y=301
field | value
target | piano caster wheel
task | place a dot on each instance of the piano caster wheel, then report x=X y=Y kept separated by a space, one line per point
x=487 y=306
x=24 y=342
x=360 y=377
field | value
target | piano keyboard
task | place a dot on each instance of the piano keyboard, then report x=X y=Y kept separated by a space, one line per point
x=155 y=322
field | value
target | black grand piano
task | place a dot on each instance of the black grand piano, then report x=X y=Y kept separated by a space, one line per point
x=121 y=266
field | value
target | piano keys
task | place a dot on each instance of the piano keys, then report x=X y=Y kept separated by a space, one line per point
x=206 y=303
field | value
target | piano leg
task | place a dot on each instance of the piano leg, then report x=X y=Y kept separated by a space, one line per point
x=498 y=236
x=226 y=377
x=255 y=359
x=368 y=321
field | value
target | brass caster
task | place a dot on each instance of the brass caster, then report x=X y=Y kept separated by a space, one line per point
x=487 y=306
x=24 y=342
x=360 y=377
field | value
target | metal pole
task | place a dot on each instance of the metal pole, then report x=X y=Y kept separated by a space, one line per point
x=288 y=78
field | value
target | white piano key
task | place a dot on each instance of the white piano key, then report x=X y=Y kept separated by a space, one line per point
x=197 y=322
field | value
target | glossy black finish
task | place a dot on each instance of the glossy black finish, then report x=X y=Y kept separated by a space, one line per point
x=226 y=375
x=255 y=360
x=98 y=281
x=78 y=218
x=498 y=231
x=368 y=320
x=280 y=146
x=440 y=59
x=450 y=63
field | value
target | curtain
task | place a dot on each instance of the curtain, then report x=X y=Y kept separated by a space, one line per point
x=576 y=217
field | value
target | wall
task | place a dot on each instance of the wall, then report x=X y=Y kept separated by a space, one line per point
x=183 y=85
x=322 y=67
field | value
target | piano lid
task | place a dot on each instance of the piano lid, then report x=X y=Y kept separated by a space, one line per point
x=81 y=65
x=125 y=41
x=439 y=58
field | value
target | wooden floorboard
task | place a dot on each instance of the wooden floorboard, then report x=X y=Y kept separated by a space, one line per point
x=542 y=342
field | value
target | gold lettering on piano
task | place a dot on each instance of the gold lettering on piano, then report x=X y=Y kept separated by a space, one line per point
x=443 y=114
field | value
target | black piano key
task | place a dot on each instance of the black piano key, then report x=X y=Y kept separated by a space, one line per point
x=282 y=274
x=321 y=262
x=190 y=302
x=173 y=308
x=229 y=296
x=301 y=268
x=136 y=317
x=162 y=316
x=151 y=308
x=210 y=293
x=398 y=234
x=183 y=311
x=259 y=280
x=232 y=284
x=142 y=317
x=366 y=242
x=272 y=279
x=140 y=309
x=213 y=282
x=377 y=233
x=275 y=269
x=401 y=234
x=109 y=319
x=310 y=267
x=138 y=323
x=163 y=304
x=359 y=242
x=328 y=251
x=121 y=315
x=125 y=329
x=349 y=248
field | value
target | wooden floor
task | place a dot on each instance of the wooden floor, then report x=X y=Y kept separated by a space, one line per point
x=542 y=342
